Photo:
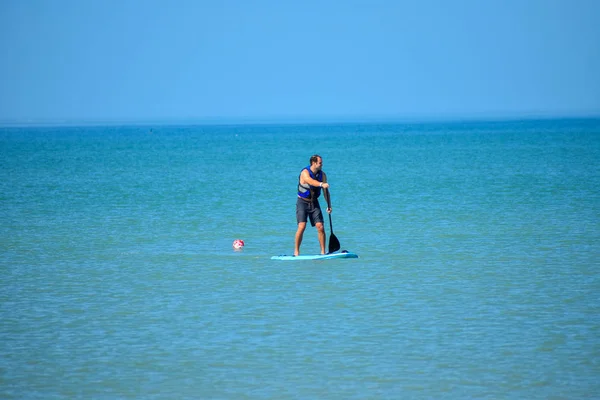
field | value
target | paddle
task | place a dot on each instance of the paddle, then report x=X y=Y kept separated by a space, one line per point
x=334 y=243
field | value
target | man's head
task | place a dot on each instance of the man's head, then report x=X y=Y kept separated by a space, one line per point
x=316 y=161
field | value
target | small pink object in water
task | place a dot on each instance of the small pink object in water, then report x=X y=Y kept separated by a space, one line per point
x=238 y=244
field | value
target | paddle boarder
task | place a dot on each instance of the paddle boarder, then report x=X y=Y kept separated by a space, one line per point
x=310 y=182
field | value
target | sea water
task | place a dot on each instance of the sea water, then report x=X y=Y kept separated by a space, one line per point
x=478 y=276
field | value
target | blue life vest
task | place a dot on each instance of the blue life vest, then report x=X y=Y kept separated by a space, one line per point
x=305 y=190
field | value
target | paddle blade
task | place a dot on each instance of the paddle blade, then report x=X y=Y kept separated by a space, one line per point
x=334 y=243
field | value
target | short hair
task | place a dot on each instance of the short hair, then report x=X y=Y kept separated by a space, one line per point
x=314 y=158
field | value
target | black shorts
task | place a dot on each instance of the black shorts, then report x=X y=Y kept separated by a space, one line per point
x=306 y=209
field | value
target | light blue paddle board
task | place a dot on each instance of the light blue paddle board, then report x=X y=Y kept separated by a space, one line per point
x=315 y=257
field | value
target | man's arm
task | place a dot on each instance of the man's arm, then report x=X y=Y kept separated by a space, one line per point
x=313 y=182
x=326 y=192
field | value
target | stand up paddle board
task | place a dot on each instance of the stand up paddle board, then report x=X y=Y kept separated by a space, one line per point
x=330 y=256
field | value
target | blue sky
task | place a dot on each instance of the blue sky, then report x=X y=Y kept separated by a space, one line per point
x=148 y=61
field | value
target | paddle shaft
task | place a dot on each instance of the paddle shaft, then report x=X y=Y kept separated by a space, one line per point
x=334 y=243
x=328 y=199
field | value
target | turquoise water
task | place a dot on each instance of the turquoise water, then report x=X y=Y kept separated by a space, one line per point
x=478 y=275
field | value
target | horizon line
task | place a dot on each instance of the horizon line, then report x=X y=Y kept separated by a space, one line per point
x=237 y=121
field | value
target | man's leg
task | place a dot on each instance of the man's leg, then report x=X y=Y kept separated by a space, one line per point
x=298 y=239
x=321 y=233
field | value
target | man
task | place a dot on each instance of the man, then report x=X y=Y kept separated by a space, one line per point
x=310 y=182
